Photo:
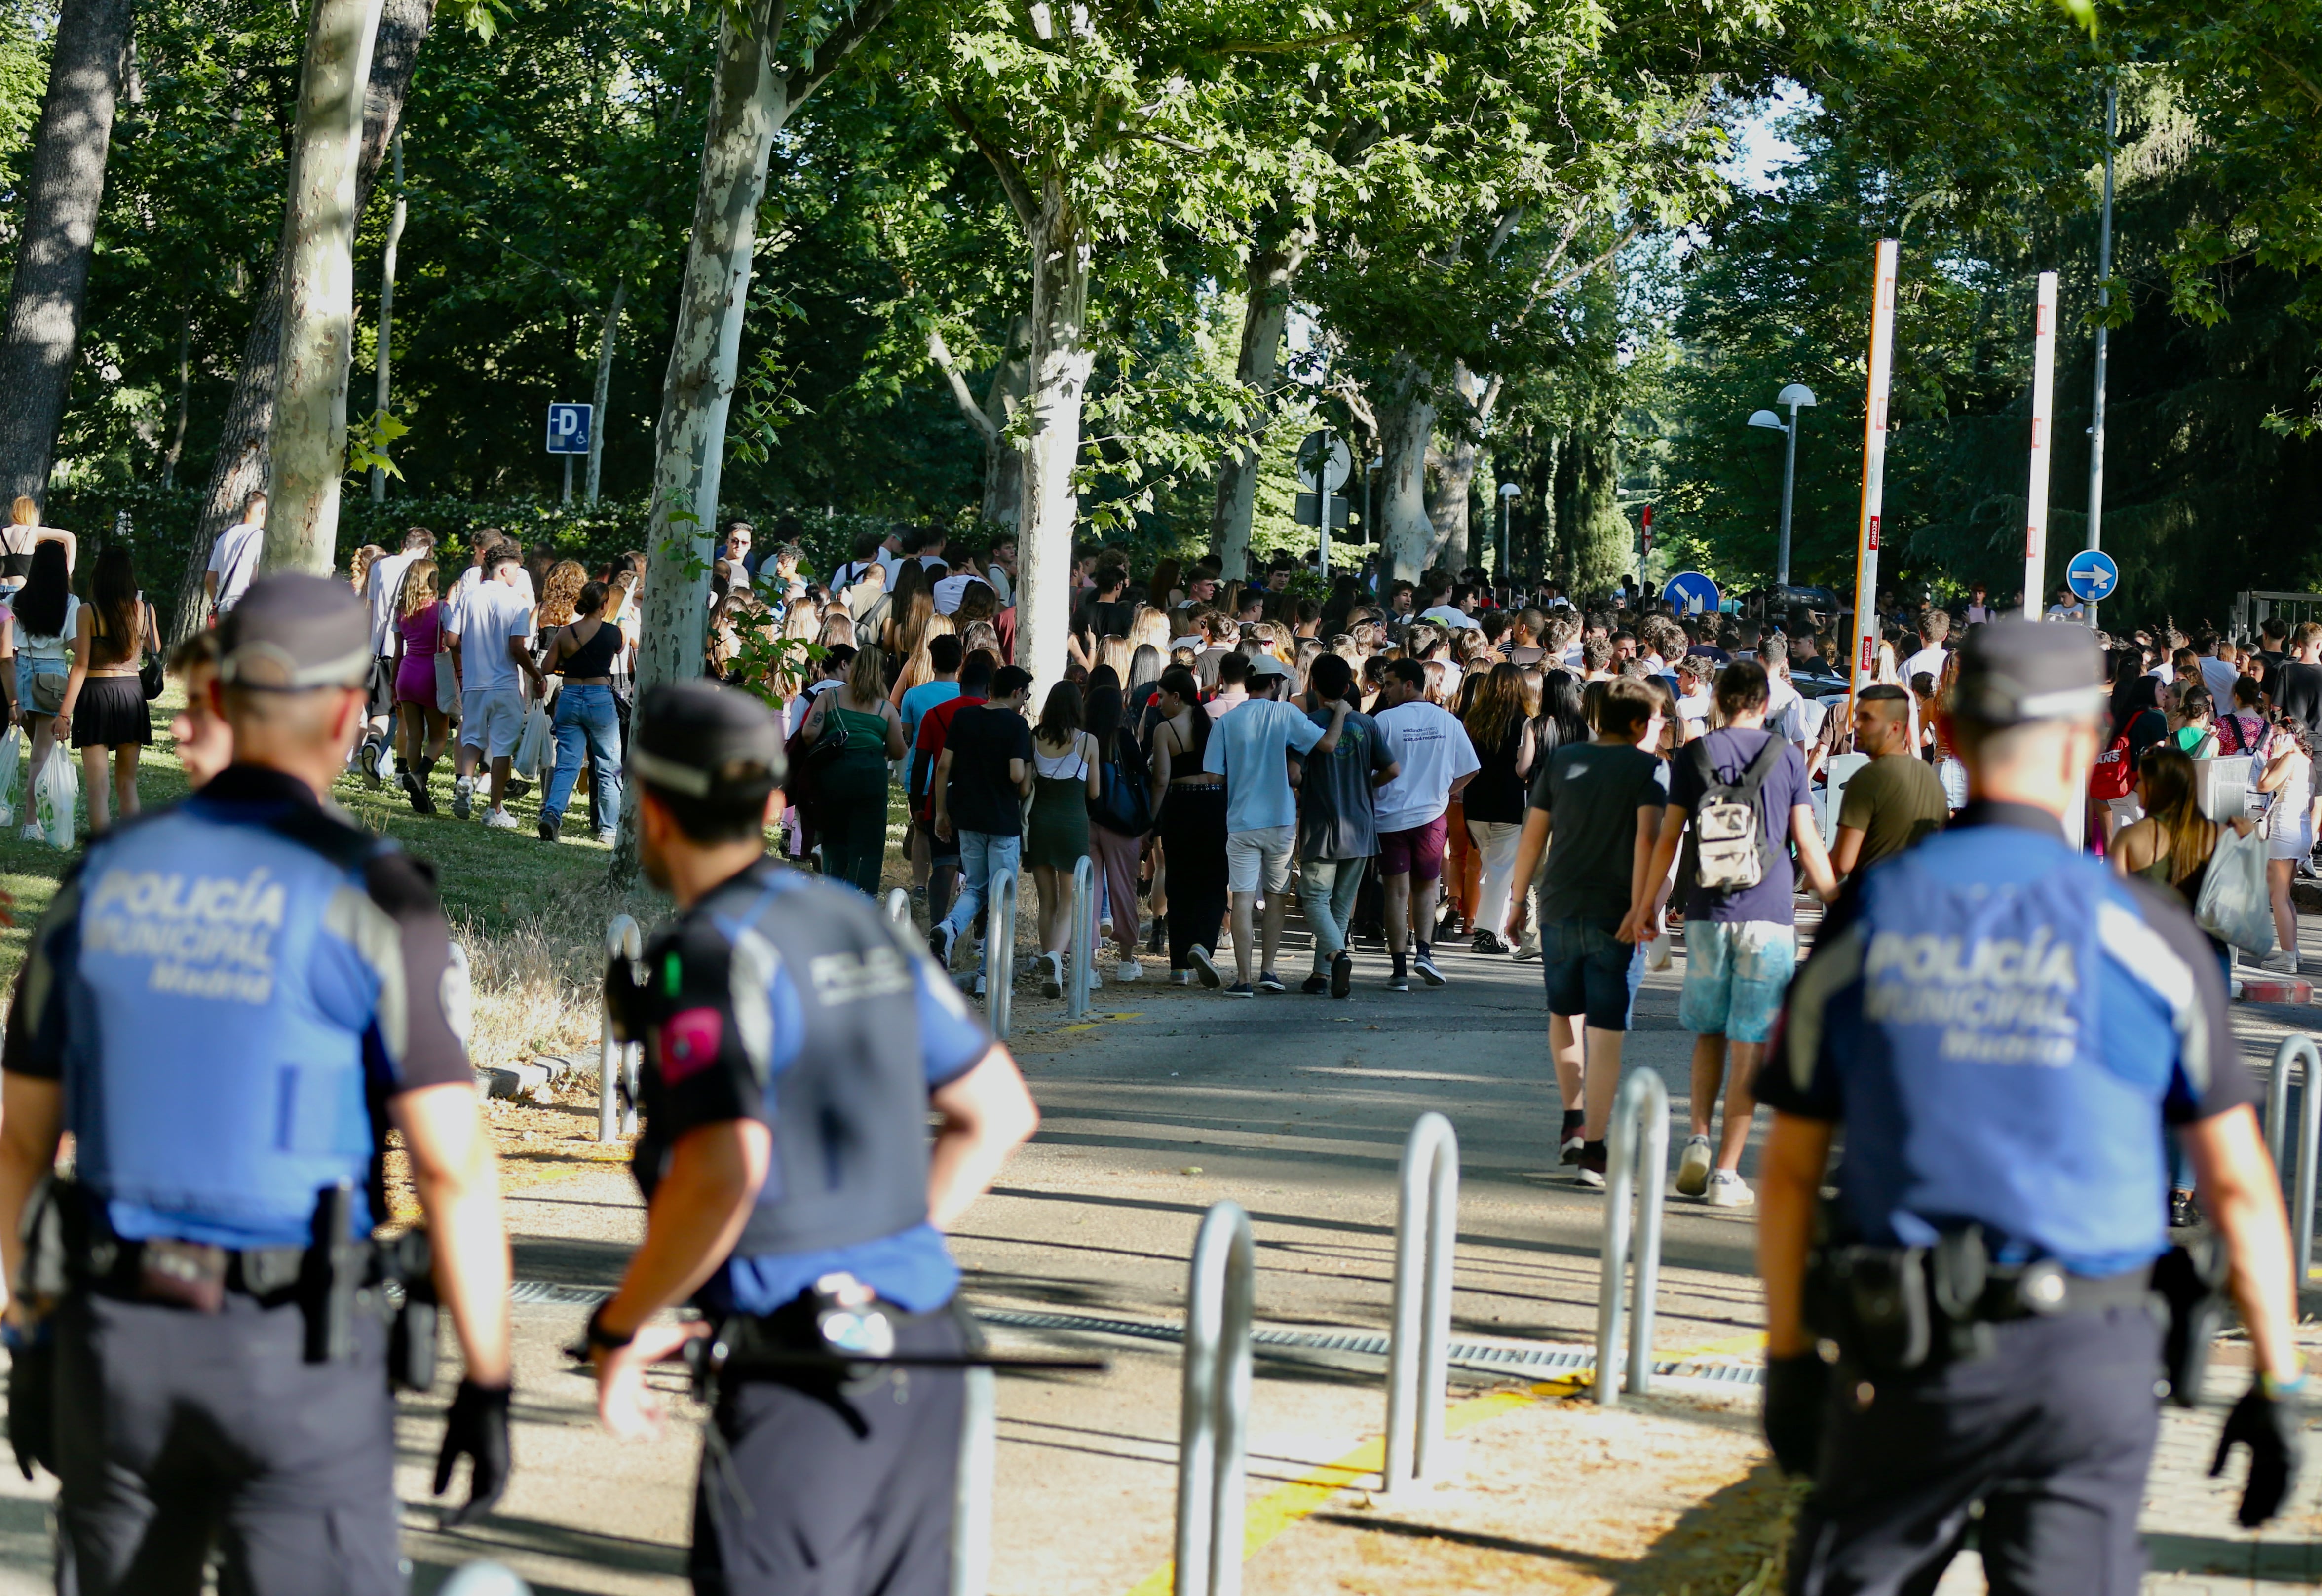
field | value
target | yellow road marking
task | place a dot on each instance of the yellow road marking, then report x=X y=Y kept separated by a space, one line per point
x=1281 y=1509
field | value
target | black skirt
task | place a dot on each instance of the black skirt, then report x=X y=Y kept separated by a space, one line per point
x=111 y=711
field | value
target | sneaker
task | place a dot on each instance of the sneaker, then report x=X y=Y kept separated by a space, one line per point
x=1129 y=970
x=1315 y=985
x=606 y=839
x=32 y=833
x=1425 y=965
x=1527 y=951
x=1590 y=1172
x=1051 y=982
x=1181 y=977
x=1728 y=1189
x=1267 y=981
x=1692 y=1171
x=463 y=796
x=1241 y=989
x=1342 y=974
x=1398 y=983
x=1204 y=966
x=2183 y=1213
x=1485 y=942
x=2280 y=962
x=979 y=986
x=939 y=941
x=1573 y=1138
x=549 y=826
x=1095 y=976
x=517 y=787
x=499 y=820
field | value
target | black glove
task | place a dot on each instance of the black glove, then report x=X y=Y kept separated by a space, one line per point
x=2268 y=1425
x=478 y=1428
x=33 y=1404
x=1796 y=1388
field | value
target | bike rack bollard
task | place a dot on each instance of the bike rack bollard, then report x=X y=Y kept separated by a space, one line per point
x=484 y=1578
x=1426 y=1230
x=1081 y=956
x=998 y=951
x=1213 y=1423
x=2304 y=1050
x=622 y=939
x=1643 y=1104
x=971 y=1520
x=899 y=907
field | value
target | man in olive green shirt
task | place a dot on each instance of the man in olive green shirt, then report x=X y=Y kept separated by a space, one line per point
x=1896 y=799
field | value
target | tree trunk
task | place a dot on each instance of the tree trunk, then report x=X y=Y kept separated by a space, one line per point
x=1406 y=426
x=184 y=388
x=1004 y=462
x=307 y=455
x=383 y=389
x=1266 y=310
x=1452 y=483
x=240 y=462
x=1595 y=536
x=65 y=188
x=1061 y=364
x=605 y=346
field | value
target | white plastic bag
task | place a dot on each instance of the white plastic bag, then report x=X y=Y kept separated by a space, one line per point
x=12 y=760
x=536 y=750
x=2234 y=905
x=56 y=798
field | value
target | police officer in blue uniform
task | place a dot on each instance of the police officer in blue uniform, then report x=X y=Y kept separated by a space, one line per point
x=228 y=1003
x=2003 y=1027
x=795 y=1042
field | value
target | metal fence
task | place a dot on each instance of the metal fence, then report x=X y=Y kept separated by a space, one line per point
x=616 y=1064
x=1000 y=951
x=2302 y=1051
x=1082 y=957
x=1426 y=1232
x=1213 y=1423
x=1635 y=1156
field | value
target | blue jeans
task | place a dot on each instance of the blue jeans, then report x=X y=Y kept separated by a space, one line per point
x=1327 y=887
x=983 y=854
x=585 y=717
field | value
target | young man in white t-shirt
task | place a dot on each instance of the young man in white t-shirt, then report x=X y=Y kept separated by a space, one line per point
x=233 y=557
x=1933 y=628
x=1434 y=759
x=492 y=633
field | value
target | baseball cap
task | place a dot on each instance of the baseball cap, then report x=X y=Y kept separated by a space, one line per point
x=2013 y=671
x=292 y=633
x=702 y=741
x=1266 y=665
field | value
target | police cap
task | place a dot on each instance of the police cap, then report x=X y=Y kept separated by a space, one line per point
x=292 y=633
x=2014 y=671
x=701 y=741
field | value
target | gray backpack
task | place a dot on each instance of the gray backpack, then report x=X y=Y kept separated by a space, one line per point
x=1728 y=836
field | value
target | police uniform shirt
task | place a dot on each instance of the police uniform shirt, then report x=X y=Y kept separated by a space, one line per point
x=229 y=990
x=2003 y=1025
x=716 y=1051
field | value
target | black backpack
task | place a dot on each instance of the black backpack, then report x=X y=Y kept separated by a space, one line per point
x=1124 y=804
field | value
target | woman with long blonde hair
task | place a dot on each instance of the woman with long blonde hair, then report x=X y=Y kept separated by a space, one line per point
x=851 y=789
x=18 y=539
x=1148 y=627
x=558 y=589
x=920 y=668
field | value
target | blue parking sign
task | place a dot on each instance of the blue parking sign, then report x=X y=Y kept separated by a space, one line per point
x=567 y=428
x=2092 y=576
x=1690 y=593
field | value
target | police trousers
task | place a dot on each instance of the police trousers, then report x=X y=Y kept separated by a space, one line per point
x=818 y=1486
x=2050 y=1437
x=179 y=1431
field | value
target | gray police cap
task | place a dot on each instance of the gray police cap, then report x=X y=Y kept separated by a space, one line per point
x=2014 y=671
x=292 y=632
x=702 y=741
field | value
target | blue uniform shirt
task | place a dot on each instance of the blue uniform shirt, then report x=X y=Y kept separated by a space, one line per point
x=2004 y=1026
x=715 y=1061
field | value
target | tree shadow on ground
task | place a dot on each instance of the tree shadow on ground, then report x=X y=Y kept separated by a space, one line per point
x=1737 y=1536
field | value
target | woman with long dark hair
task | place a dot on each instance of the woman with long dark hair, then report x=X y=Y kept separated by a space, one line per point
x=48 y=646
x=1493 y=803
x=1066 y=779
x=1115 y=853
x=105 y=708
x=851 y=782
x=1190 y=812
x=588 y=724
x=1560 y=722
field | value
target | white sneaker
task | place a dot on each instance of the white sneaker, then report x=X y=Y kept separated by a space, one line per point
x=1692 y=1171
x=32 y=833
x=1181 y=977
x=1130 y=970
x=1727 y=1189
x=1052 y=980
x=1095 y=976
x=463 y=796
x=499 y=820
x=2280 y=962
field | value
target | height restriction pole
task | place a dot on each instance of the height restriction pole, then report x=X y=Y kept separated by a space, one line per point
x=1874 y=473
x=2043 y=415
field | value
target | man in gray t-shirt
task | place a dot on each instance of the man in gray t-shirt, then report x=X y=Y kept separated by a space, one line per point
x=1338 y=824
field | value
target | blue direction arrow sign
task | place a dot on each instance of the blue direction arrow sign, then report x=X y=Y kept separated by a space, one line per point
x=2092 y=576
x=1692 y=594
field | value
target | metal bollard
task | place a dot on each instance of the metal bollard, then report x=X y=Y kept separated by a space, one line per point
x=484 y=1579
x=2303 y=1050
x=998 y=951
x=622 y=939
x=1080 y=956
x=899 y=907
x=1642 y=1106
x=1426 y=1230
x=971 y=1520
x=1213 y=1424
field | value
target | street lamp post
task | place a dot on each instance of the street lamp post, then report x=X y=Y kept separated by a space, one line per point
x=1796 y=395
x=1509 y=494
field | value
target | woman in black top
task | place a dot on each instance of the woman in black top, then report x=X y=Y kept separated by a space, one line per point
x=1494 y=801
x=586 y=716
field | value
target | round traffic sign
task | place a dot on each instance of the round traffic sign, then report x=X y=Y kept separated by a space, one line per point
x=2092 y=576
x=1692 y=594
x=1339 y=465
